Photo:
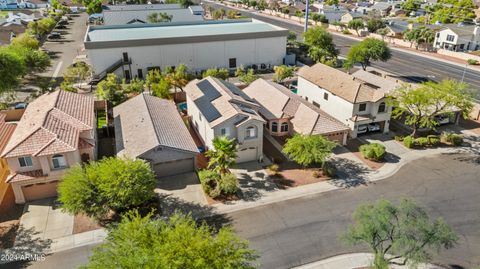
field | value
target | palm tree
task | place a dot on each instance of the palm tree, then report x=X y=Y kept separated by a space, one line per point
x=223 y=155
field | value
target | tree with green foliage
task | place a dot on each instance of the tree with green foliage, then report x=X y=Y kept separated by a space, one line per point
x=404 y=231
x=285 y=11
x=246 y=77
x=368 y=50
x=223 y=154
x=75 y=73
x=308 y=149
x=383 y=32
x=179 y=242
x=93 y=6
x=292 y=39
x=262 y=5
x=221 y=73
x=158 y=17
x=453 y=11
x=217 y=14
x=282 y=72
x=179 y=77
x=411 y=5
x=135 y=85
x=252 y=3
x=421 y=104
x=35 y=60
x=158 y=84
x=331 y=2
x=110 y=89
x=420 y=35
x=231 y=14
x=111 y=184
x=373 y=24
x=356 y=24
x=26 y=40
x=12 y=67
x=320 y=45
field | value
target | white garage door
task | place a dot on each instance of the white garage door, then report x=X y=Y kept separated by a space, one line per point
x=174 y=167
x=247 y=155
x=40 y=191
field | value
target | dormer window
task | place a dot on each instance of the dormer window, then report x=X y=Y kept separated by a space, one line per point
x=251 y=132
x=362 y=107
x=25 y=161
x=381 y=107
x=284 y=127
x=58 y=161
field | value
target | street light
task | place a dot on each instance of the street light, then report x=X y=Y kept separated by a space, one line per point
x=307 y=9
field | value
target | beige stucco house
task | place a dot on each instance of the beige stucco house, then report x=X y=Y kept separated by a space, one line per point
x=56 y=132
x=357 y=100
x=218 y=108
x=150 y=128
x=287 y=113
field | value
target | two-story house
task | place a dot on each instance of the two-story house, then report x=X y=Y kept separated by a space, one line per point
x=56 y=132
x=458 y=38
x=218 y=108
x=359 y=104
x=287 y=113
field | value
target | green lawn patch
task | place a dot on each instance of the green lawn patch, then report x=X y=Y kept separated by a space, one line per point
x=101 y=118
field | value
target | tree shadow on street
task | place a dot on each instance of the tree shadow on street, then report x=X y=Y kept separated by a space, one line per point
x=349 y=173
x=251 y=189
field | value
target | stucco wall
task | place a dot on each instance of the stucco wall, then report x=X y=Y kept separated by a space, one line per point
x=197 y=56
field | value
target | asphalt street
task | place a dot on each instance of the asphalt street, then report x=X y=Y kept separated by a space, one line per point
x=304 y=230
x=405 y=65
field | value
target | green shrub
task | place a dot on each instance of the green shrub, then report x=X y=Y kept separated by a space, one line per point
x=274 y=168
x=472 y=62
x=373 y=151
x=346 y=32
x=208 y=180
x=433 y=140
x=454 y=139
x=409 y=141
x=329 y=169
x=316 y=174
x=421 y=141
x=399 y=138
x=228 y=184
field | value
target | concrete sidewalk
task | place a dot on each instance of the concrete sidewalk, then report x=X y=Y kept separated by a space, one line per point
x=354 y=260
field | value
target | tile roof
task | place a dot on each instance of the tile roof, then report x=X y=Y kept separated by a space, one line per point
x=145 y=122
x=386 y=84
x=52 y=124
x=231 y=101
x=305 y=117
x=6 y=131
x=22 y=176
x=341 y=84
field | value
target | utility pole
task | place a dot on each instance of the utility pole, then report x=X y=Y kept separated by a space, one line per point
x=307 y=9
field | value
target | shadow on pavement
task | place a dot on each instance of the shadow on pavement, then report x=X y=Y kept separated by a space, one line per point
x=349 y=174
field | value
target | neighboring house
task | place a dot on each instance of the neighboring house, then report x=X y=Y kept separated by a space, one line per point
x=383 y=8
x=458 y=38
x=132 y=50
x=56 y=131
x=124 y=14
x=396 y=28
x=150 y=128
x=332 y=13
x=219 y=108
x=6 y=131
x=350 y=16
x=362 y=7
x=287 y=113
x=349 y=99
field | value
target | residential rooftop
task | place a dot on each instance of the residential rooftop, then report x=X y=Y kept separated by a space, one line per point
x=279 y=102
x=186 y=30
x=145 y=122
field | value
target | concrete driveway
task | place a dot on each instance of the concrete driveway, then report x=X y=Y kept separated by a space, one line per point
x=44 y=220
x=185 y=186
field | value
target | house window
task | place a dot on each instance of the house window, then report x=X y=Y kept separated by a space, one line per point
x=450 y=38
x=251 y=132
x=381 y=107
x=58 y=161
x=125 y=57
x=232 y=62
x=362 y=107
x=325 y=96
x=224 y=132
x=316 y=104
x=127 y=74
x=306 y=98
x=284 y=127
x=25 y=161
x=274 y=127
x=140 y=73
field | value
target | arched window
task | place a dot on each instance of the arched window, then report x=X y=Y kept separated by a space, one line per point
x=251 y=132
x=284 y=127
x=58 y=161
x=381 y=107
x=274 y=127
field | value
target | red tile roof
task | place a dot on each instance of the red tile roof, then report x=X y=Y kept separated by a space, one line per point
x=6 y=131
x=25 y=176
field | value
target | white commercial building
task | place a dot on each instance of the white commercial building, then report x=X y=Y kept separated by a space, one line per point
x=131 y=50
x=133 y=14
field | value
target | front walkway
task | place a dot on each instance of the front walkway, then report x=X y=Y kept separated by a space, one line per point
x=354 y=260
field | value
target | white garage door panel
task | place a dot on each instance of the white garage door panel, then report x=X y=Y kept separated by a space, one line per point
x=174 y=167
x=40 y=191
x=247 y=155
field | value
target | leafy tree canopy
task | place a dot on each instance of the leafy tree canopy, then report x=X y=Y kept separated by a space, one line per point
x=110 y=89
x=223 y=154
x=282 y=72
x=220 y=73
x=370 y=49
x=308 y=149
x=320 y=44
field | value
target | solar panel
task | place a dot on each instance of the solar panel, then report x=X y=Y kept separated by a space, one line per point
x=208 y=90
x=207 y=109
x=235 y=90
x=242 y=119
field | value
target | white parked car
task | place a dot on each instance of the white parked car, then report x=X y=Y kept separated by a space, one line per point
x=373 y=127
x=362 y=129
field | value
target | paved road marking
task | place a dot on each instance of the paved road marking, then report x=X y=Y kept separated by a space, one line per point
x=57 y=70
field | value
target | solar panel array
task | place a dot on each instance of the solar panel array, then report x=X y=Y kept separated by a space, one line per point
x=204 y=103
x=235 y=90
